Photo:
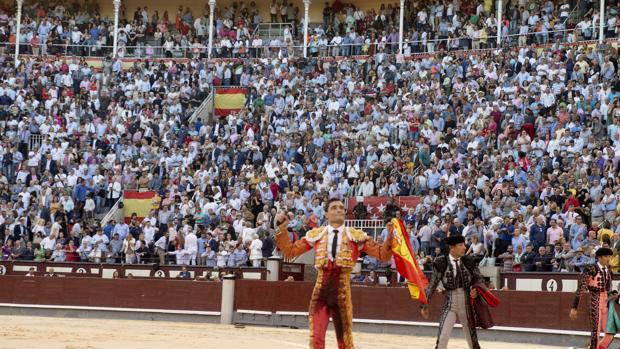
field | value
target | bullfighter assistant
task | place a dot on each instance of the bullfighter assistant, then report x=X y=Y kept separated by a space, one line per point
x=596 y=279
x=458 y=273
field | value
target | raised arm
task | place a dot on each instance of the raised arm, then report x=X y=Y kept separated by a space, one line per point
x=290 y=249
x=382 y=252
x=283 y=241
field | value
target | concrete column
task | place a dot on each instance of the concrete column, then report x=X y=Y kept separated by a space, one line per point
x=601 y=28
x=117 y=9
x=273 y=268
x=211 y=12
x=18 y=30
x=228 y=299
x=358 y=266
x=306 y=19
x=492 y=273
x=499 y=22
x=401 y=26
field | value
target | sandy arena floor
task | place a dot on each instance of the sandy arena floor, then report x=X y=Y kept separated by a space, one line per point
x=63 y=333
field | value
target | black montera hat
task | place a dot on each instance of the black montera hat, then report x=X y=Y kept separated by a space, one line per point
x=455 y=240
x=604 y=251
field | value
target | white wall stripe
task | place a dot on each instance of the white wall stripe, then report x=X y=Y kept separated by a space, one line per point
x=256 y=312
x=129 y=310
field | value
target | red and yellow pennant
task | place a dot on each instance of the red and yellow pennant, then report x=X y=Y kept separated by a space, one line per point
x=406 y=263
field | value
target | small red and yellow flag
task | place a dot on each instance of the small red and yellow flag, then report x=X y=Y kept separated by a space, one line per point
x=406 y=263
x=140 y=203
x=228 y=100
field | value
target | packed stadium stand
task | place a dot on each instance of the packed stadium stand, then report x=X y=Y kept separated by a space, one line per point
x=511 y=140
x=152 y=141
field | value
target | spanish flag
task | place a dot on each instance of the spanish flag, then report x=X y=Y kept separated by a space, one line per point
x=406 y=263
x=140 y=203
x=228 y=100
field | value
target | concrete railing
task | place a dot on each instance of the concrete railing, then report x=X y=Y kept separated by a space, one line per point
x=136 y=271
x=204 y=111
x=116 y=213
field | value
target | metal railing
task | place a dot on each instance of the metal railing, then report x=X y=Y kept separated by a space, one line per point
x=270 y=28
x=339 y=50
x=372 y=227
x=572 y=16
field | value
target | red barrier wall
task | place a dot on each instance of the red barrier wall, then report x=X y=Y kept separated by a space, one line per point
x=272 y=295
x=518 y=308
x=119 y=293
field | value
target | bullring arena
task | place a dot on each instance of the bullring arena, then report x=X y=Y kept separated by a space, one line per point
x=171 y=172
x=164 y=310
x=61 y=333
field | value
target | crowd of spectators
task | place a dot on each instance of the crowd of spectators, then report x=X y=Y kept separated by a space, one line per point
x=516 y=149
x=346 y=29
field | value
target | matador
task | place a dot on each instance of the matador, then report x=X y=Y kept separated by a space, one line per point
x=337 y=249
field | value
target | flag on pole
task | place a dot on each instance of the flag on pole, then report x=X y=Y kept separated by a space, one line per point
x=406 y=263
x=228 y=100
